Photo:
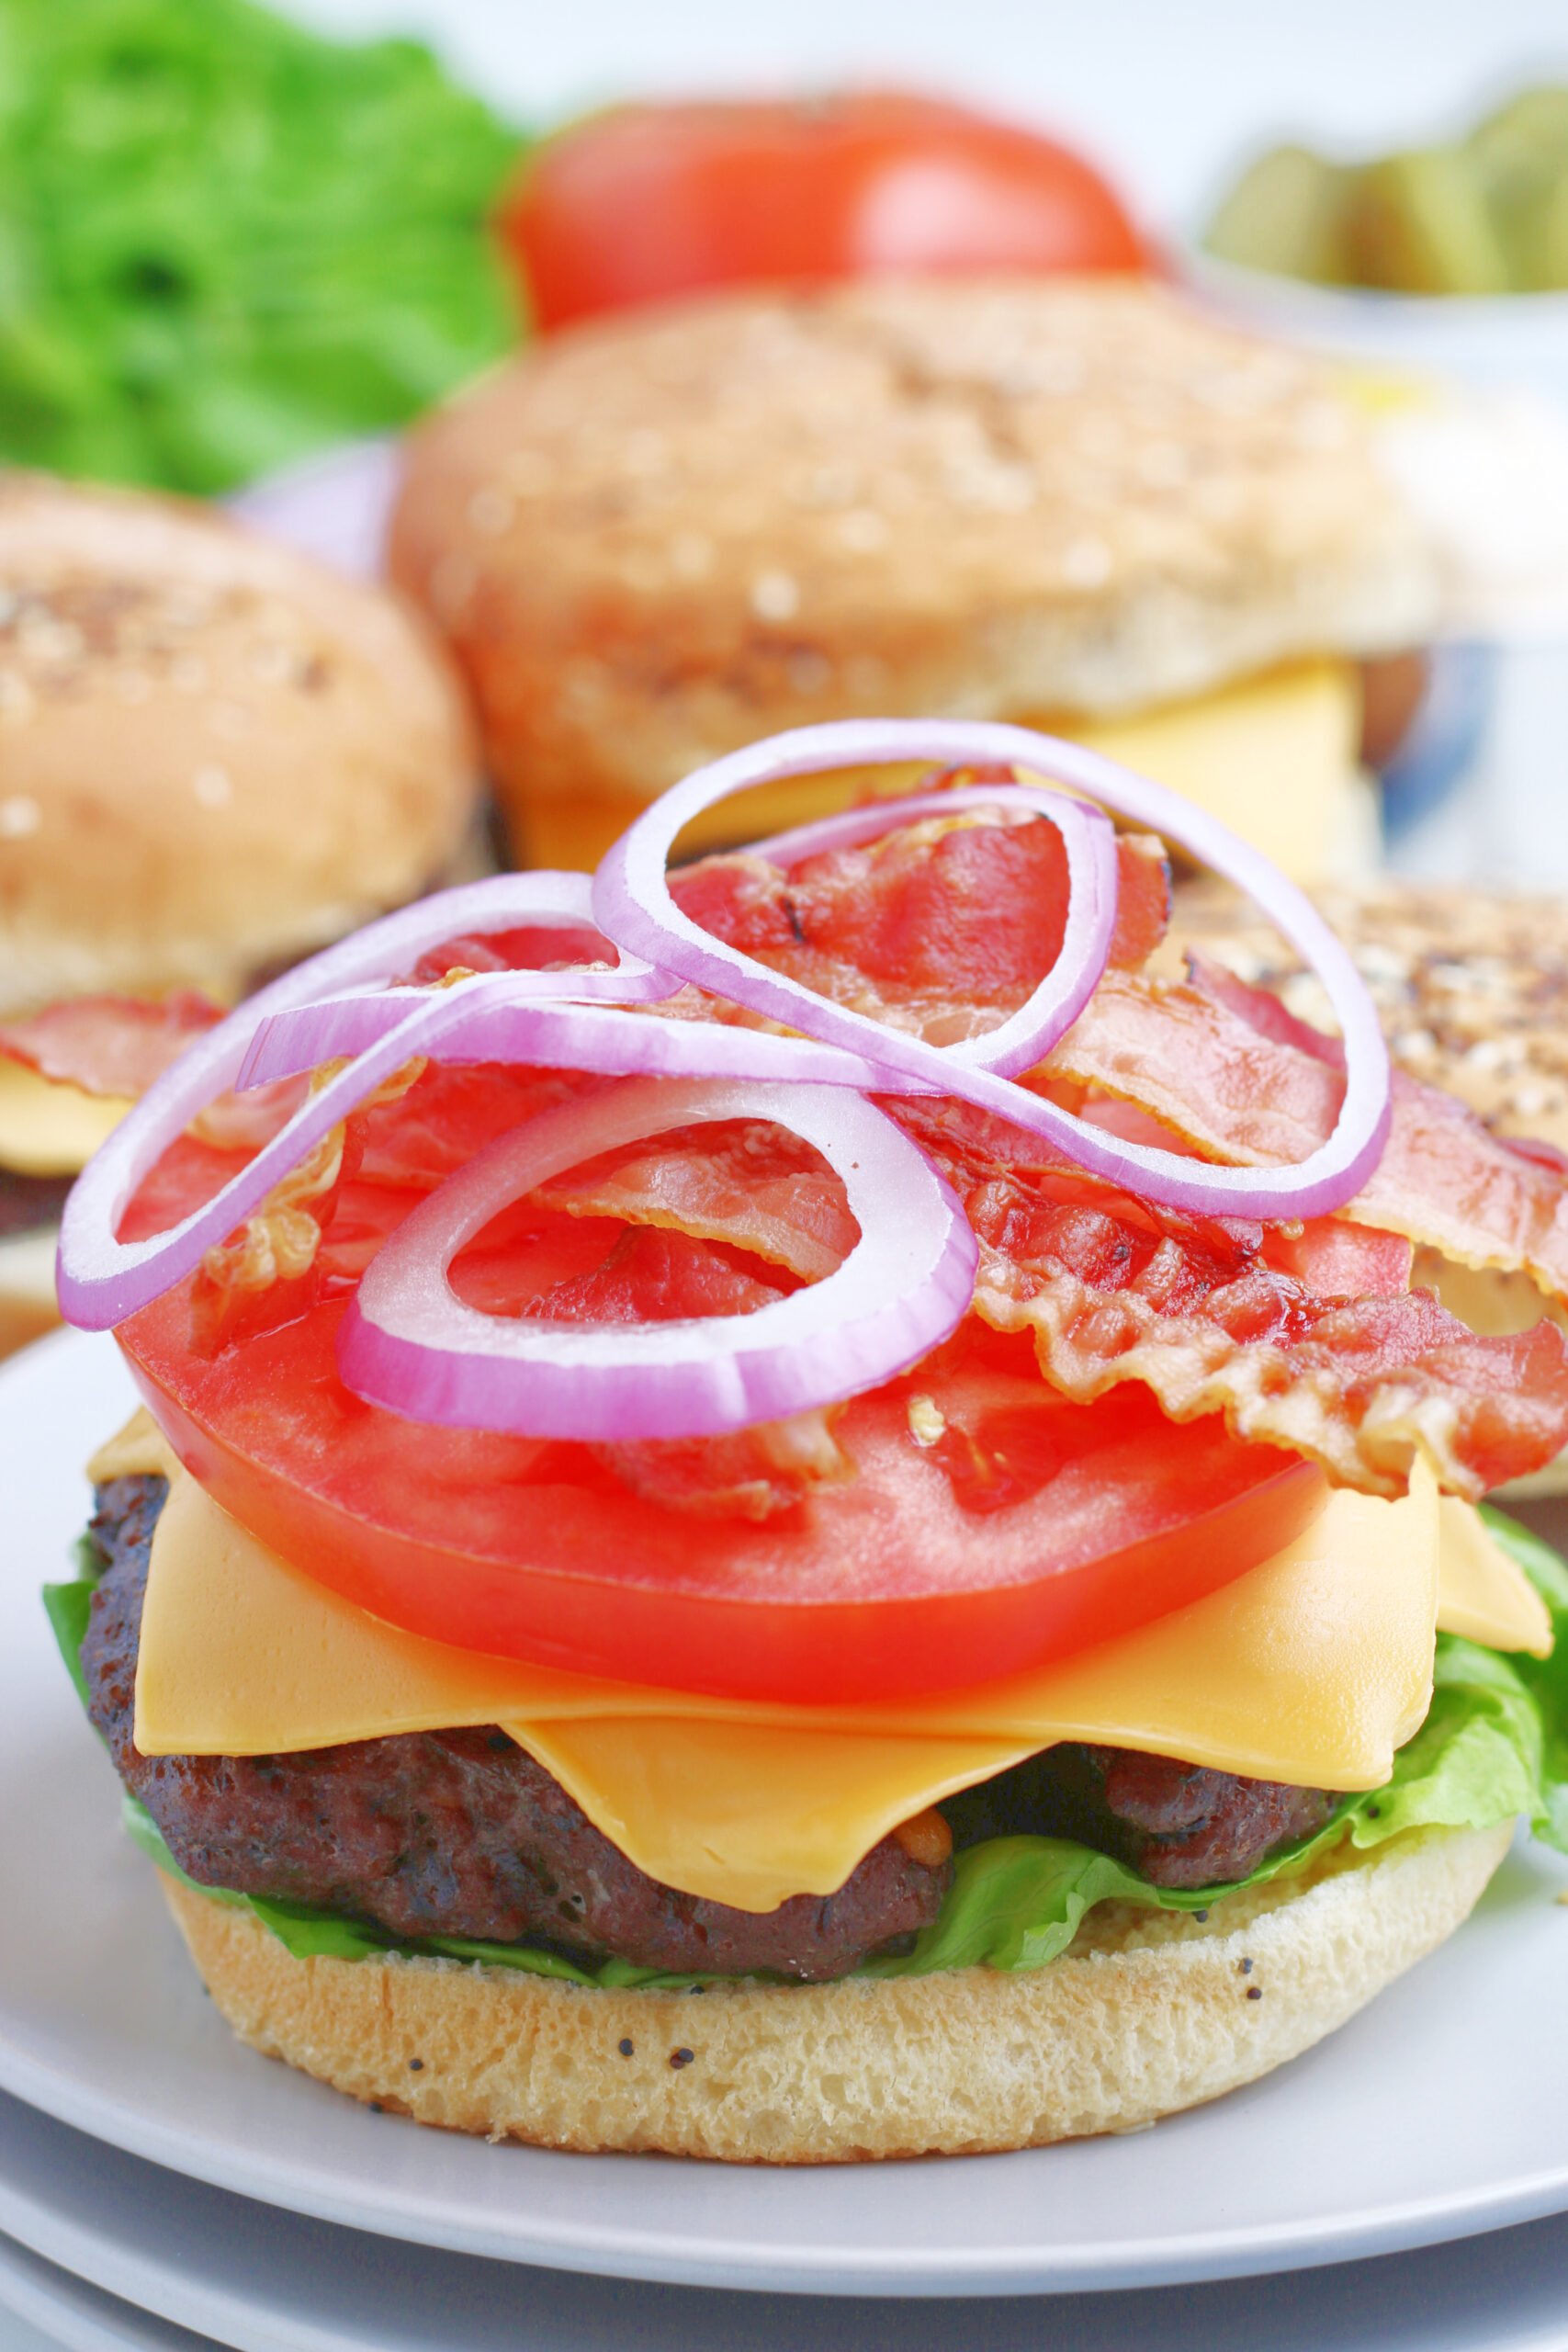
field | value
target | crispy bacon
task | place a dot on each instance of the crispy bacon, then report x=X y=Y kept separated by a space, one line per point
x=110 y=1046
x=944 y=927
x=741 y=1181
x=1445 y=1180
x=1114 y=1288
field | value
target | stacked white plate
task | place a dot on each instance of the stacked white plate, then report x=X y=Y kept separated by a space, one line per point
x=143 y=2150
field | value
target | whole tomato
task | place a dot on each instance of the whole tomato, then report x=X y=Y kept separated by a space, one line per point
x=646 y=202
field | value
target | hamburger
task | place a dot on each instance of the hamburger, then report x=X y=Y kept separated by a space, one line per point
x=1078 y=503
x=215 y=757
x=840 y=1533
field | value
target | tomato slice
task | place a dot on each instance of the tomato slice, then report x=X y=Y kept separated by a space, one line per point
x=989 y=1523
x=646 y=202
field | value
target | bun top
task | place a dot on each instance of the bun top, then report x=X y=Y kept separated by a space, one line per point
x=215 y=754
x=654 y=538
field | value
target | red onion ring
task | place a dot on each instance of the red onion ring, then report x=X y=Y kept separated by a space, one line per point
x=633 y=905
x=101 y=1279
x=409 y=1343
x=502 y=1024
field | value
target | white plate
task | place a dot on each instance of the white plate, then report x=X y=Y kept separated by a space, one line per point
x=44 y=2309
x=1441 y=2111
x=265 y=2281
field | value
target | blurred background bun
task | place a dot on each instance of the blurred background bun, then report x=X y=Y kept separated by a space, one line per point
x=1079 y=504
x=216 y=756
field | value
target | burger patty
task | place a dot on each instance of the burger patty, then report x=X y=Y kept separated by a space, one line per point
x=30 y=1204
x=1178 y=1825
x=460 y=1833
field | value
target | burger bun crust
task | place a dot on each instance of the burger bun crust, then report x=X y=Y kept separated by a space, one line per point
x=216 y=756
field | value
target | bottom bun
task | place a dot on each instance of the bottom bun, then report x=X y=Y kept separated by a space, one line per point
x=28 y=1304
x=1145 y=2013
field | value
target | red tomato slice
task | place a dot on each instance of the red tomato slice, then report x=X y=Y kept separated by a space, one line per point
x=646 y=202
x=1027 y=1529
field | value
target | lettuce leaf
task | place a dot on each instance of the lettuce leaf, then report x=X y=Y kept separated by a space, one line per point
x=226 y=240
x=1493 y=1747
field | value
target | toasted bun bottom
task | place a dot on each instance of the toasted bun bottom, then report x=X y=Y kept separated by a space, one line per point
x=1147 y=2012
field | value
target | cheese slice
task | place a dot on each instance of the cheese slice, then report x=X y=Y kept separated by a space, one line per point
x=1274 y=757
x=1484 y=1596
x=47 y=1130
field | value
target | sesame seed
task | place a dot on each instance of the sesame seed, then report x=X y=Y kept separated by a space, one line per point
x=627 y=2048
x=775 y=596
x=213 y=786
x=1244 y=1966
x=679 y=2058
x=416 y=2065
x=19 y=816
x=1200 y=1915
x=1255 y=1991
x=1086 y=563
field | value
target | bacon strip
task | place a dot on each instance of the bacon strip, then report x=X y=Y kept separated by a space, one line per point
x=1229 y=1070
x=743 y=1182
x=108 y=1046
x=1113 y=1290
x=944 y=928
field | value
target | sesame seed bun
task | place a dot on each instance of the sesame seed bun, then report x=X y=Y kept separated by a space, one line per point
x=215 y=755
x=1147 y=2013
x=652 y=539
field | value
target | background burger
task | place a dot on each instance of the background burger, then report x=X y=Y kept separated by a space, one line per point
x=1078 y=504
x=215 y=756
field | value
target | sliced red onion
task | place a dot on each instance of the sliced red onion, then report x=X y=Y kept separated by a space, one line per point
x=632 y=902
x=409 y=1343
x=102 y=1279
x=500 y=1022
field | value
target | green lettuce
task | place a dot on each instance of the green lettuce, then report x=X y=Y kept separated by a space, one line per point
x=226 y=242
x=1493 y=1747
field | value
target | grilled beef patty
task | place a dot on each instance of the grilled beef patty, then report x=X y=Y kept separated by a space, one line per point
x=460 y=1833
